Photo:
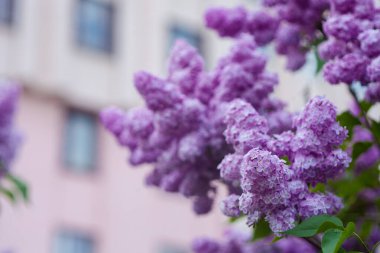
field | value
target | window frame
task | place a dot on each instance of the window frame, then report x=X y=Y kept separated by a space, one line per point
x=109 y=7
x=9 y=21
x=175 y=25
x=67 y=166
x=74 y=234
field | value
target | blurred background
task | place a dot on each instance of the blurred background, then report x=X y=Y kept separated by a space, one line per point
x=73 y=57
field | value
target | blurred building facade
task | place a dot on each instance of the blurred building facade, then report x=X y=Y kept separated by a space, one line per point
x=73 y=57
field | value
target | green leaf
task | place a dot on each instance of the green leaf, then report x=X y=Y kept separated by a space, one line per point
x=334 y=238
x=286 y=159
x=234 y=219
x=276 y=239
x=359 y=148
x=315 y=225
x=348 y=120
x=365 y=229
x=318 y=188
x=348 y=231
x=375 y=129
x=261 y=230
x=320 y=62
x=8 y=193
x=20 y=185
x=365 y=106
x=330 y=240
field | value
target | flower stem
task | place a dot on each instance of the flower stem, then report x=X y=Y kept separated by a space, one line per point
x=314 y=242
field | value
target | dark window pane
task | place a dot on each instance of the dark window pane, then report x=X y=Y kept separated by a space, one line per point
x=71 y=242
x=7 y=11
x=95 y=25
x=80 y=141
x=192 y=37
x=171 y=249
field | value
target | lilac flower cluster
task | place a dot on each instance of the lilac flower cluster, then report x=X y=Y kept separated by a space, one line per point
x=180 y=131
x=352 y=50
x=293 y=26
x=235 y=242
x=9 y=137
x=373 y=92
x=272 y=189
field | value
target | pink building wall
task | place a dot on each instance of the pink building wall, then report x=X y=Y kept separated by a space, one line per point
x=112 y=205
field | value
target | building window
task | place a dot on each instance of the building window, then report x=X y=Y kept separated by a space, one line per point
x=80 y=141
x=71 y=242
x=95 y=25
x=171 y=249
x=191 y=36
x=7 y=8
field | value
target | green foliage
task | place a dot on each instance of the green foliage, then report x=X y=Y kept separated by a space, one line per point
x=365 y=106
x=234 y=219
x=9 y=194
x=318 y=188
x=261 y=230
x=14 y=188
x=334 y=238
x=20 y=186
x=375 y=129
x=286 y=159
x=360 y=148
x=320 y=62
x=356 y=183
x=315 y=225
x=334 y=233
x=349 y=121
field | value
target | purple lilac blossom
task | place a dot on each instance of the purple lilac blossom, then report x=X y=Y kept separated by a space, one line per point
x=228 y=22
x=373 y=92
x=316 y=156
x=239 y=242
x=10 y=137
x=272 y=189
x=292 y=25
x=352 y=48
x=180 y=131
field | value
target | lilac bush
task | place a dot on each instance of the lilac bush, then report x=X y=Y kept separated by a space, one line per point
x=312 y=174
x=9 y=136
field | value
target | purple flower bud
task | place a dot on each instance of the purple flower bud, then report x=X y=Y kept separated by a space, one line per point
x=202 y=204
x=205 y=245
x=158 y=94
x=230 y=206
x=185 y=66
x=344 y=27
x=10 y=138
x=332 y=49
x=373 y=92
x=263 y=27
x=227 y=22
x=373 y=70
x=370 y=42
